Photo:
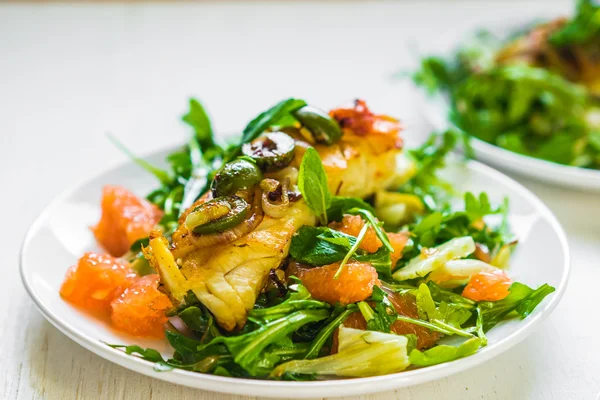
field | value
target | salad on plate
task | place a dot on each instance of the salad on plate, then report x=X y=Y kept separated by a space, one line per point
x=315 y=247
x=535 y=92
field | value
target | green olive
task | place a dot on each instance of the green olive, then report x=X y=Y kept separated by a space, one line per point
x=236 y=175
x=323 y=128
x=217 y=215
x=272 y=151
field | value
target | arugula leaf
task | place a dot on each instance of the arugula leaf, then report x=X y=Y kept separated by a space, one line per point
x=442 y=295
x=325 y=333
x=340 y=205
x=383 y=316
x=298 y=298
x=204 y=155
x=582 y=28
x=312 y=183
x=359 y=238
x=200 y=321
x=442 y=226
x=449 y=313
x=444 y=353
x=521 y=299
x=479 y=327
x=475 y=208
x=434 y=75
x=248 y=349
x=160 y=365
x=380 y=260
x=146 y=354
x=429 y=159
x=322 y=245
x=374 y=224
x=187 y=349
x=445 y=316
x=279 y=114
x=163 y=176
x=425 y=305
x=198 y=119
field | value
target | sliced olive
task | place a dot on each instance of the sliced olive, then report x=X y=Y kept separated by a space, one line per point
x=217 y=215
x=273 y=151
x=323 y=128
x=236 y=175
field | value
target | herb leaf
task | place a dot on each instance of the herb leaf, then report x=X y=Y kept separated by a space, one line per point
x=340 y=205
x=276 y=115
x=162 y=175
x=321 y=245
x=312 y=182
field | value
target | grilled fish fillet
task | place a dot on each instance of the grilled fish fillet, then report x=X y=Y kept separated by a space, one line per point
x=228 y=278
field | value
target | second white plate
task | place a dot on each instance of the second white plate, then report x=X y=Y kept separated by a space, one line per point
x=436 y=110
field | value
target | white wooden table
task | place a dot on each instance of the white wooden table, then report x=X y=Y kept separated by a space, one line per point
x=69 y=74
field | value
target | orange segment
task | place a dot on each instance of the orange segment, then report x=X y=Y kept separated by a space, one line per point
x=398 y=241
x=140 y=309
x=488 y=286
x=351 y=225
x=405 y=305
x=95 y=281
x=125 y=219
x=355 y=283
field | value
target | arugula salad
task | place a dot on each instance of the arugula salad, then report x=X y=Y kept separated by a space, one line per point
x=314 y=247
x=535 y=92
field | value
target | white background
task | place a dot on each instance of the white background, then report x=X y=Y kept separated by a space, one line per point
x=70 y=74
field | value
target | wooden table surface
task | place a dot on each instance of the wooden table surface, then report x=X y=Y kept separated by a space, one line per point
x=69 y=74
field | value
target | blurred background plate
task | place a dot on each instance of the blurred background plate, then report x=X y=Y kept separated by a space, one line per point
x=436 y=109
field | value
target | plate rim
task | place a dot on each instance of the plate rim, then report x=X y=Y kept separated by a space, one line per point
x=428 y=107
x=267 y=388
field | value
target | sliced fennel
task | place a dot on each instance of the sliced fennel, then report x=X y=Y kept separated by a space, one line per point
x=361 y=353
x=435 y=258
x=458 y=272
x=397 y=208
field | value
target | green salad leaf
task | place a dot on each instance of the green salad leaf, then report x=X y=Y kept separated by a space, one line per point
x=341 y=205
x=429 y=159
x=278 y=115
x=312 y=182
x=322 y=245
x=198 y=119
x=522 y=299
x=582 y=28
x=444 y=353
x=522 y=93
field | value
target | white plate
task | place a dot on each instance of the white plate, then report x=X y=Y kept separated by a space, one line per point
x=61 y=235
x=436 y=110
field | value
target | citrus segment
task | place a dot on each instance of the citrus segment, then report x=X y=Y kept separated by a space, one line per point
x=95 y=281
x=398 y=242
x=405 y=305
x=488 y=286
x=125 y=219
x=352 y=225
x=355 y=283
x=140 y=309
